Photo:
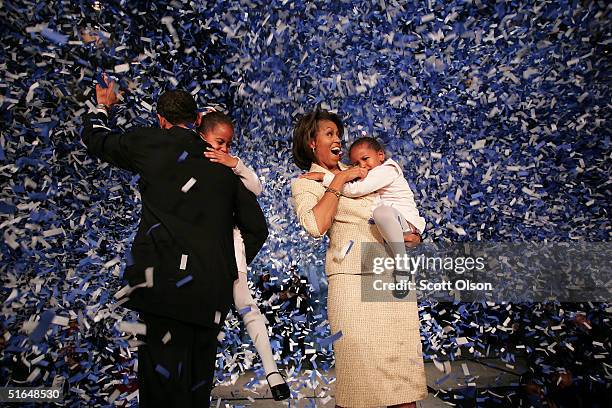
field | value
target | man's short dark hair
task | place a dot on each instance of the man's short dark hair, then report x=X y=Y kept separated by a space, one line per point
x=177 y=107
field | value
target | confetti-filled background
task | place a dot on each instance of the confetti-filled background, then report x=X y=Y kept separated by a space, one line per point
x=498 y=111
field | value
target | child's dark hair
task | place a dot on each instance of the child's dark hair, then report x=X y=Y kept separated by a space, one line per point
x=305 y=131
x=212 y=119
x=368 y=141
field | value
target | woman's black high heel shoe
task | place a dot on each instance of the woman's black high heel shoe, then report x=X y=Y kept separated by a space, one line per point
x=400 y=293
x=279 y=391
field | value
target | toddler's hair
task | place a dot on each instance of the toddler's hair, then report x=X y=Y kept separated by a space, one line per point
x=212 y=119
x=368 y=141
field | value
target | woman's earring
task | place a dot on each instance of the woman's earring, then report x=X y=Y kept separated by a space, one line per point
x=313 y=151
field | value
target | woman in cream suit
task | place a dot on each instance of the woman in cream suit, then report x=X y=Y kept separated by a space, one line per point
x=378 y=357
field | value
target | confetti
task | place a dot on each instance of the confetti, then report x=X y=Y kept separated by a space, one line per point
x=498 y=116
x=45 y=321
x=162 y=371
x=331 y=339
x=184 y=281
x=188 y=185
x=183 y=264
x=183 y=156
x=54 y=36
x=122 y=68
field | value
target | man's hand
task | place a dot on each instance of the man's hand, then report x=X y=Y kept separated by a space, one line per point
x=107 y=96
x=217 y=156
x=313 y=175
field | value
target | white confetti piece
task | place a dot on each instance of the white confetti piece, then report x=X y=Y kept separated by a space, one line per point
x=183 y=264
x=112 y=262
x=30 y=94
x=188 y=185
x=122 y=68
x=132 y=327
x=146 y=105
x=149 y=276
x=428 y=17
x=114 y=396
x=53 y=232
x=61 y=321
x=33 y=375
x=124 y=291
x=462 y=340
x=438 y=365
x=479 y=144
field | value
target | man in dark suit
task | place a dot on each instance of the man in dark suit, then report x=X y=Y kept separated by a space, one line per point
x=182 y=265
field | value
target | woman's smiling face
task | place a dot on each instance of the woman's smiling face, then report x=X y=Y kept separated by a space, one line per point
x=326 y=143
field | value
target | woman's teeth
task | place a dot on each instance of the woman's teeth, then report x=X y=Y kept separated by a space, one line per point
x=335 y=150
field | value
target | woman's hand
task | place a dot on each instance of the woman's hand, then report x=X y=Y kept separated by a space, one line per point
x=353 y=173
x=217 y=156
x=313 y=175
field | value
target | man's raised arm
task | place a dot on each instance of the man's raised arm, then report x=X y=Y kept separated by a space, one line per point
x=109 y=146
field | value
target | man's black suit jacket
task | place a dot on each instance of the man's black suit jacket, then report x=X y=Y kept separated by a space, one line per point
x=177 y=226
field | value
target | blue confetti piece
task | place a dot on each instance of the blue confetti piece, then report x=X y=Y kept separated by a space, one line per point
x=183 y=156
x=100 y=79
x=198 y=385
x=514 y=146
x=54 y=36
x=331 y=339
x=6 y=208
x=442 y=379
x=244 y=310
x=153 y=227
x=130 y=259
x=162 y=371
x=43 y=324
x=183 y=281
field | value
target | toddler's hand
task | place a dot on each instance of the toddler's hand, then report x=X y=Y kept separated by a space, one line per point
x=411 y=240
x=217 y=156
x=354 y=173
x=313 y=175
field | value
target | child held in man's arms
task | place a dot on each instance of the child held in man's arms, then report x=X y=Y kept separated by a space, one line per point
x=217 y=129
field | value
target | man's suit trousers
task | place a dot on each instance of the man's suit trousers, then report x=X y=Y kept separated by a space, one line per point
x=178 y=373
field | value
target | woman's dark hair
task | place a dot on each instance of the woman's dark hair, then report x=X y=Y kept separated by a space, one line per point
x=212 y=119
x=368 y=141
x=305 y=131
x=177 y=107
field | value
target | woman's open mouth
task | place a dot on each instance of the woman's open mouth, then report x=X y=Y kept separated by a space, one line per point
x=336 y=151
